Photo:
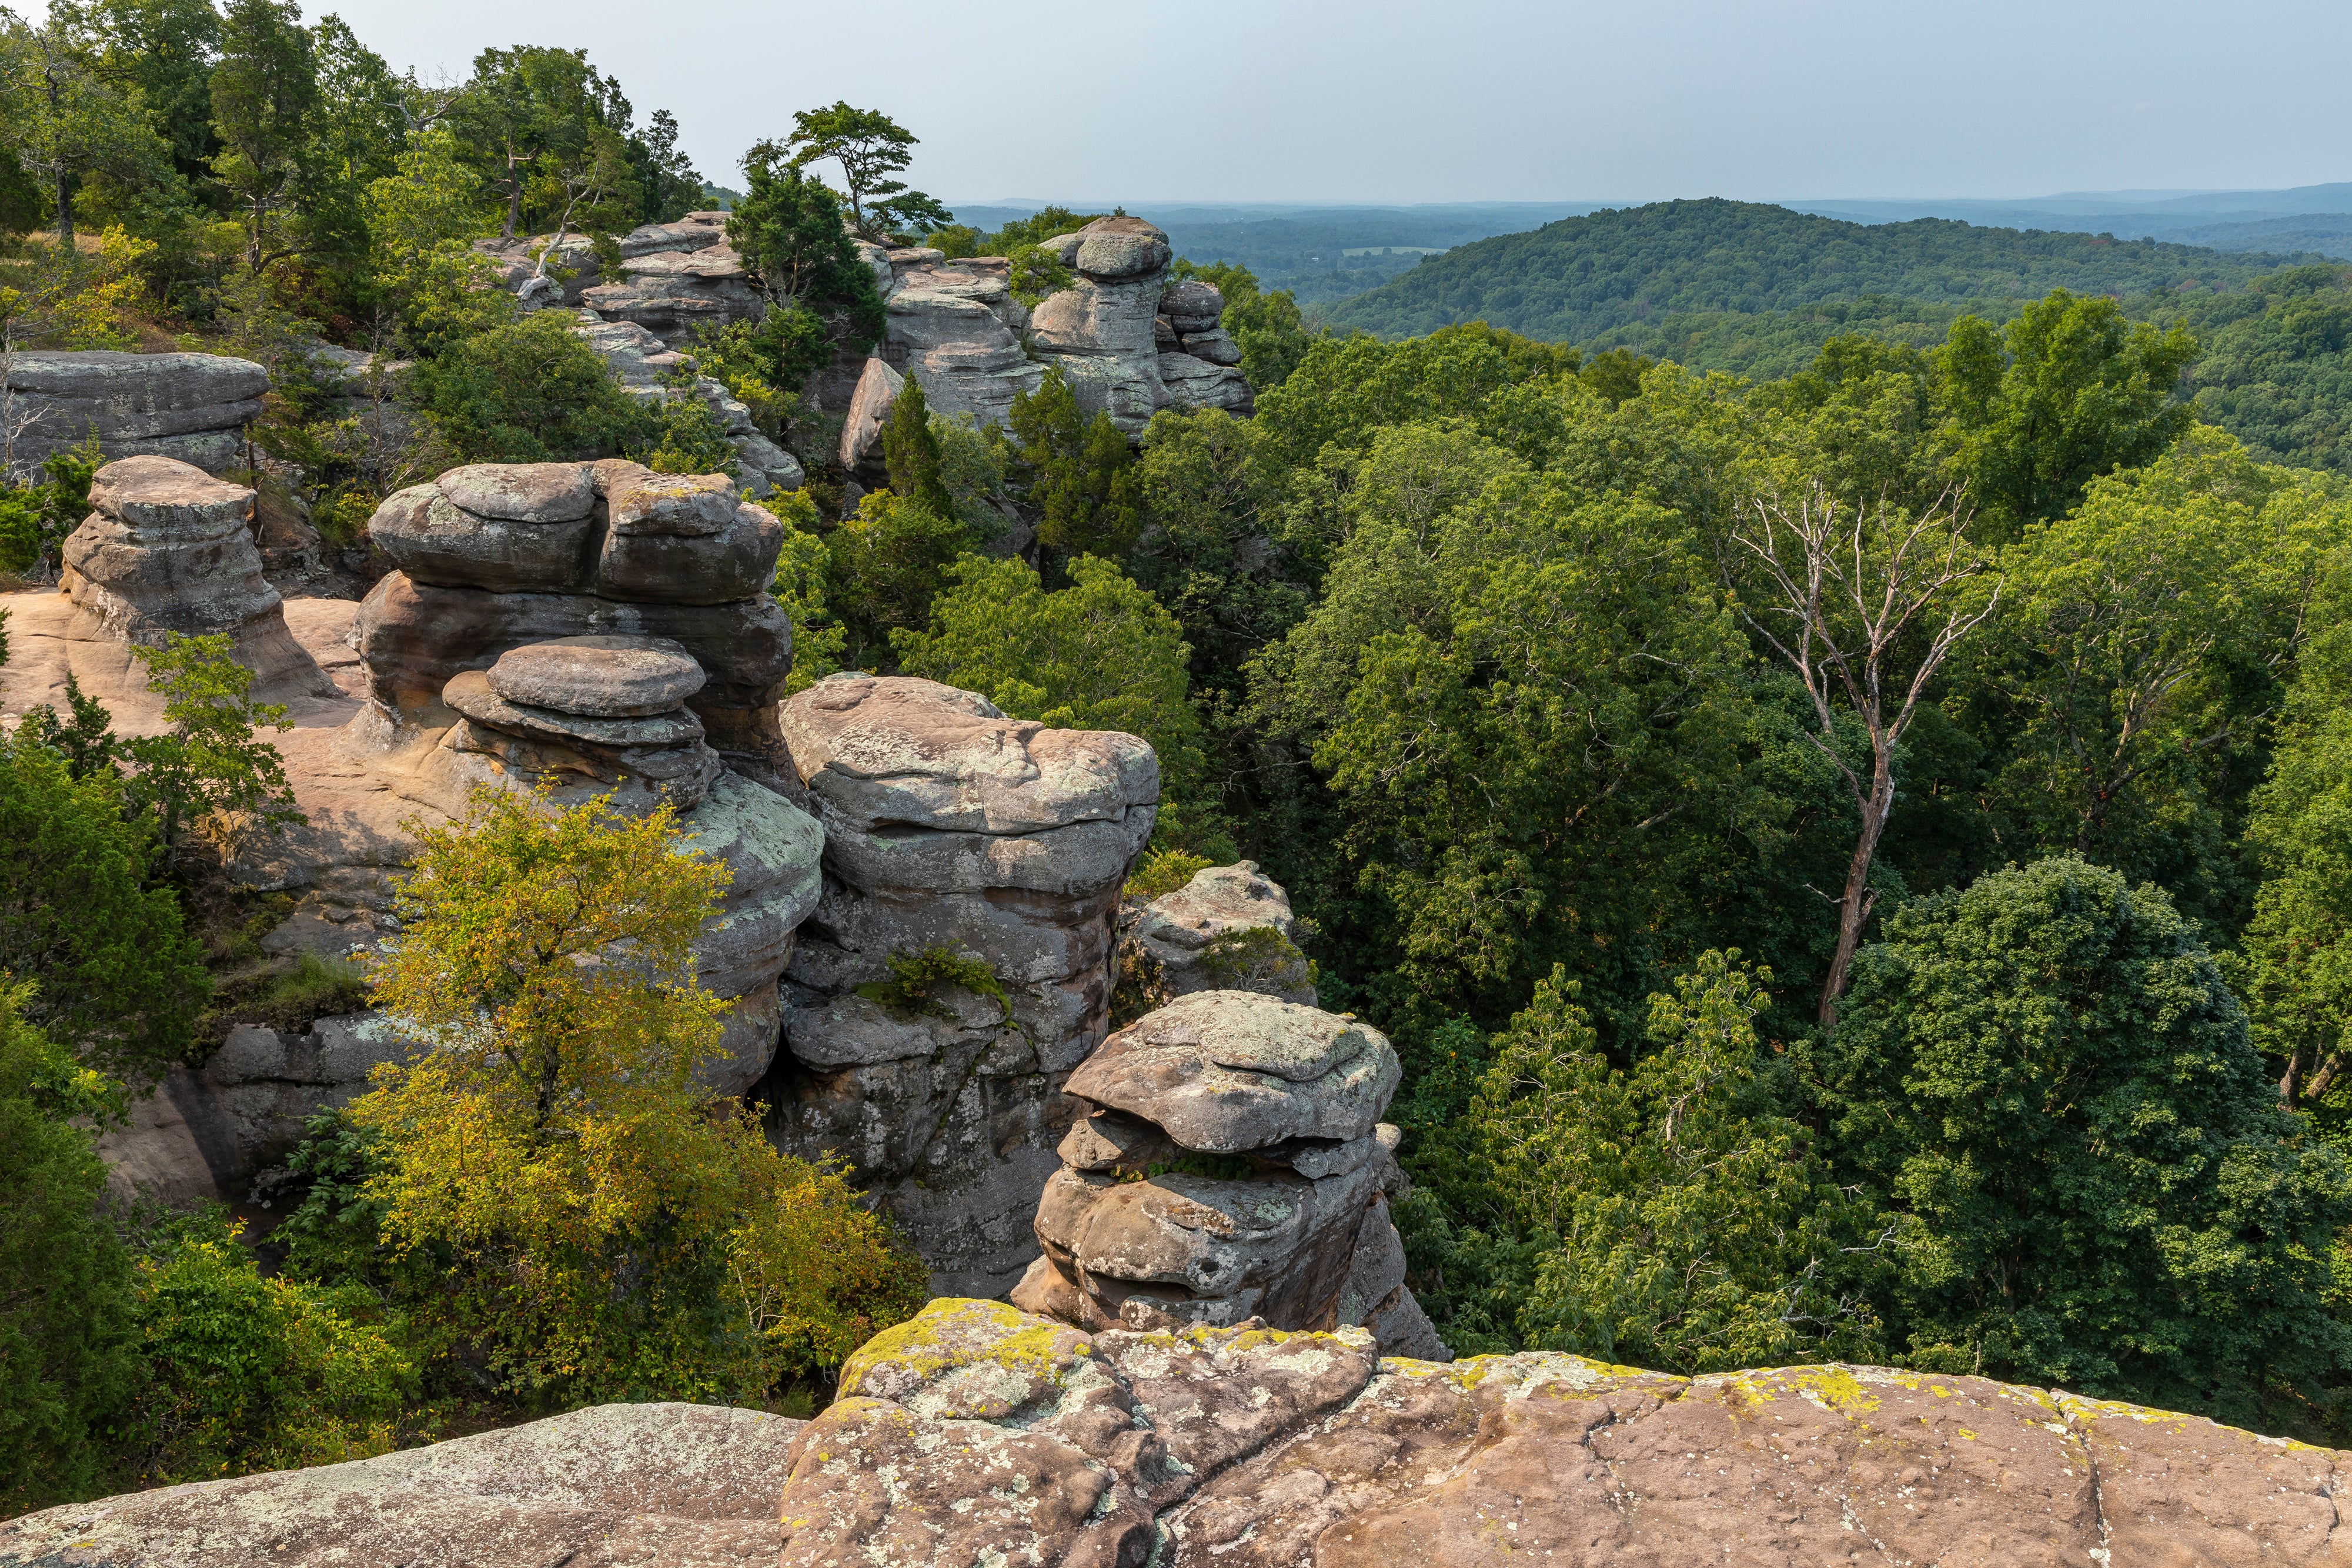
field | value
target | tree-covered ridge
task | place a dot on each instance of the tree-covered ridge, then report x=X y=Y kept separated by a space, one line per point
x=1575 y=279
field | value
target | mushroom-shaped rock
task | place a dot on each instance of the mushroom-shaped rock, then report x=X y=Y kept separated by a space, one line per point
x=166 y=547
x=997 y=842
x=1226 y=1071
x=1120 y=248
x=609 y=678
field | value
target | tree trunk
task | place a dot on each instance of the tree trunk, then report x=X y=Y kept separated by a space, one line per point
x=64 y=210
x=1853 y=908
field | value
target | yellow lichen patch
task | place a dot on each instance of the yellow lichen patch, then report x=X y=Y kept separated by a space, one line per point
x=954 y=1331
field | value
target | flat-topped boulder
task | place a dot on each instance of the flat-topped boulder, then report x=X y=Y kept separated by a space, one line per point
x=608 y=677
x=190 y=407
x=522 y=492
x=1229 y=929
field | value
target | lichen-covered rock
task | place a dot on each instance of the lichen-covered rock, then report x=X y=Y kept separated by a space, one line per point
x=661 y=1486
x=869 y=411
x=1228 y=929
x=192 y=408
x=610 y=677
x=671 y=292
x=952 y=830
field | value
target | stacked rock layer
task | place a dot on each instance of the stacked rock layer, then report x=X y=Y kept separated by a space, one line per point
x=190 y=407
x=1228 y=929
x=1232 y=1166
x=952 y=836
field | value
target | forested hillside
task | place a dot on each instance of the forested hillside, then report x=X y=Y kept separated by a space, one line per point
x=1578 y=279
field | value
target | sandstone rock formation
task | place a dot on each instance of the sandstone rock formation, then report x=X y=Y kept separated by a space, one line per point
x=1231 y=1165
x=956 y=325
x=674 y=276
x=641 y=363
x=192 y=407
x=869 y=411
x=169 y=548
x=1228 y=929
x=951 y=828
x=665 y=1486
x=1104 y=330
x=976 y=1433
x=207 y=1131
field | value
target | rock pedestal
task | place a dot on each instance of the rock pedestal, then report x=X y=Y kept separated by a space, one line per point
x=169 y=548
x=953 y=836
x=1231 y=1165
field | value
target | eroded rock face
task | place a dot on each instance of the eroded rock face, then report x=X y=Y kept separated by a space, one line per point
x=169 y=548
x=677 y=278
x=678 y=1486
x=976 y=1433
x=190 y=407
x=951 y=828
x=956 y=326
x=1008 y=1438
x=869 y=411
x=1232 y=1166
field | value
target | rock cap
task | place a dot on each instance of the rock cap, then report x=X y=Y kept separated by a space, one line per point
x=603 y=677
x=1233 y=1072
x=163 y=492
x=522 y=492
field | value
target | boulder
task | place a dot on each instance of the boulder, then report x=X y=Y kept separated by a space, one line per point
x=659 y=758
x=685 y=539
x=1190 y=383
x=869 y=411
x=1228 y=929
x=672 y=293
x=522 y=492
x=190 y=407
x=995 y=841
x=610 y=677
x=681 y=1486
x=426 y=533
x=1192 y=306
x=1216 y=346
x=952 y=324
x=695 y=230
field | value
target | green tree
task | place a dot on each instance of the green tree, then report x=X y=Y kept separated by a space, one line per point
x=1101 y=654
x=1678 y=1219
x=64 y=120
x=2050 y=1085
x=887 y=562
x=210 y=771
x=788 y=230
x=265 y=92
x=1081 y=474
x=870 y=147
x=911 y=451
x=119 y=980
x=1213 y=542
x=1267 y=327
x=606 y=1234
x=421 y=221
x=68 y=1346
x=165 y=49
x=530 y=391
x=2142 y=648
x=542 y=125
x=2068 y=390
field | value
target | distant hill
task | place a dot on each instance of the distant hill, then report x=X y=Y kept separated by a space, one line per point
x=1621 y=270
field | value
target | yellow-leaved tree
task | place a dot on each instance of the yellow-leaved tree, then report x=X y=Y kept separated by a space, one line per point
x=570 y=1210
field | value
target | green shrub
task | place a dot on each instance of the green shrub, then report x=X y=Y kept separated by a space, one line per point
x=69 y=1351
x=529 y=392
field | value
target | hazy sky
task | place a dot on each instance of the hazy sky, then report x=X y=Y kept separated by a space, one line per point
x=1373 y=100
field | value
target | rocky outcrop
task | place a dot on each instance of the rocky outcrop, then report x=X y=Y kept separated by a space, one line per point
x=191 y=407
x=1231 y=1164
x=956 y=326
x=207 y=1131
x=675 y=278
x=952 y=834
x=869 y=411
x=1228 y=929
x=644 y=366
x=169 y=548
x=976 y=1433
x=678 y=1486
x=1106 y=331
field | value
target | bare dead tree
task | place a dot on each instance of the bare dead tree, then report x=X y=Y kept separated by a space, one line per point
x=1850 y=597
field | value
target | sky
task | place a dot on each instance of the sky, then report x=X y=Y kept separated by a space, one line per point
x=1379 y=101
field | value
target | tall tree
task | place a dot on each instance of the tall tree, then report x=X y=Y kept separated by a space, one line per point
x=265 y=94
x=870 y=147
x=534 y=118
x=1848 y=595
x=2067 y=392
x=64 y=119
